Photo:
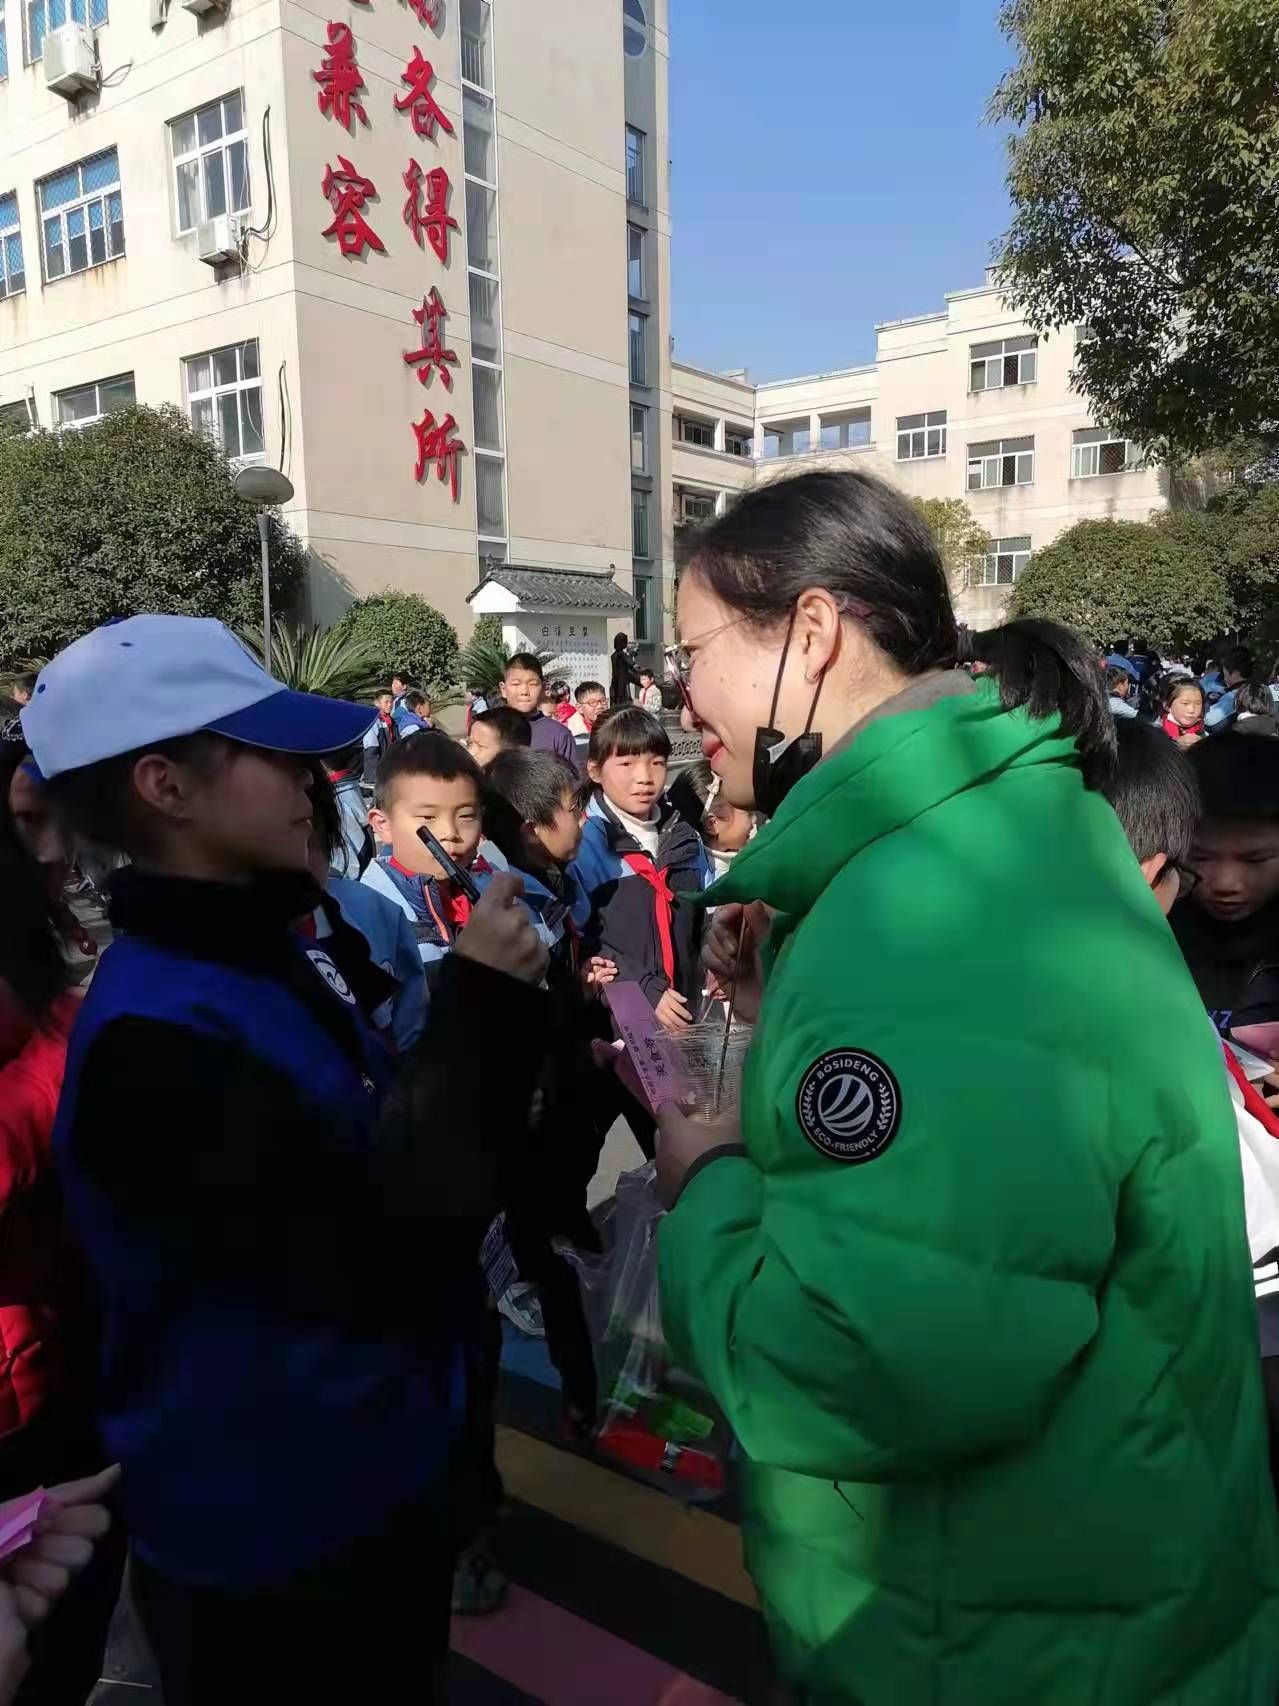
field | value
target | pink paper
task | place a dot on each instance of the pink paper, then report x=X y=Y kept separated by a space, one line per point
x=18 y=1518
x=645 y=1067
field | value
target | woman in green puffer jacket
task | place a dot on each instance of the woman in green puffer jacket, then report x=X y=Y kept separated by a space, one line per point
x=969 y=1283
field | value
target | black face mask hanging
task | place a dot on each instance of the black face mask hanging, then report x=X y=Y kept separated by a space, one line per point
x=780 y=761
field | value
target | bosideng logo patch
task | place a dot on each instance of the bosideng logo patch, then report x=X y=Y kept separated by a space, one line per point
x=849 y=1105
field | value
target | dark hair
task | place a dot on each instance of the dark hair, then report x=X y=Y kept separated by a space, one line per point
x=413 y=698
x=326 y=814
x=626 y=731
x=26 y=683
x=524 y=660
x=31 y=958
x=1153 y=791
x=524 y=787
x=1237 y=661
x=699 y=778
x=1256 y=698
x=13 y=755
x=511 y=726
x=584 y=687
x=347 y=761
x=648 y=670
x=100 y=803
x=620 y=642
x=862 y=542
x=1238 y=778
x=383 y=693
x=558 y=690
x=689 y=792
x=1175 y=684
x=401 y=675
x=427 y=754
x=1115 y=677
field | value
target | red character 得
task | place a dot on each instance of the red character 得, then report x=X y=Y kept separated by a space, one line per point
x=430 y=215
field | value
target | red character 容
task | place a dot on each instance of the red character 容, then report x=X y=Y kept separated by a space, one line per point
x=340 y=79
x=429 y=214
x=426 y=111
x=435 y=445
x=346 y=192
x=432 y=357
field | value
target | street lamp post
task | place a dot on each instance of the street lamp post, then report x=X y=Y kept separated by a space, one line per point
x=264 y=487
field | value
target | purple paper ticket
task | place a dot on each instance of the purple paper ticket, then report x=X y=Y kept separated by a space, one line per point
x=18 y=1518
x=645 y=1055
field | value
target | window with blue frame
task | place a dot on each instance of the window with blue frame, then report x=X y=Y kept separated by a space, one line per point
x=81 y=216
x=13 y=276
x=46 y=15
x=4 y=45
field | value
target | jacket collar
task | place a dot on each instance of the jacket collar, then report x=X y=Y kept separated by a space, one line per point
x=935 y=740
x=240 y=923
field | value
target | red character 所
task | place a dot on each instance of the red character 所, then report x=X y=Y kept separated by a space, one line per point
x=340 y=79
x=434 y=444
x=346 y=192
x=429 y=213
x=432 y=358
x=419 y=102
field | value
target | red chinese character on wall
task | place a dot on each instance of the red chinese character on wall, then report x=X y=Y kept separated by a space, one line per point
x=435 y=445
x=423 y=108
x=429 y=12
x=429 y=213
x=346 y=192
x=339 y=78
x=432 y=358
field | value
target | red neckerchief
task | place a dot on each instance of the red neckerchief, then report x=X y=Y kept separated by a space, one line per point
x=457 y=906
x=1176 y=729
x=644 y=867
x=1253 y=1100
x=386 y=723
x=306 y=927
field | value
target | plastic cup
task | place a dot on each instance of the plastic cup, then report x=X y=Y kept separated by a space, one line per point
x=694 y=1058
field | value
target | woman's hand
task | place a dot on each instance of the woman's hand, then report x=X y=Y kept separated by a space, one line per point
x=499 y=934
x=672 y=1012
x=681 y=1141
x=596 y=973
x=720 y=956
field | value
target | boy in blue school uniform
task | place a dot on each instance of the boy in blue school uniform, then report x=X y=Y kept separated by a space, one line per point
x=263 y=1201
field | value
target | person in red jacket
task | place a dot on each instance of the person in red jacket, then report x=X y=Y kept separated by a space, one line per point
x=46 y=1351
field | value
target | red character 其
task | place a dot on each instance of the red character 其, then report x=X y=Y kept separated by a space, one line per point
x=435 y=445
x=426 y=111
x=340 y=79
x=346 y=192
x=431 y=215
x=432 y=357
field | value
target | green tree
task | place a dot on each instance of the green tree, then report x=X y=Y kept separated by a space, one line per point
x=1110 y=579
x=403 y=631
x=961 y=538
x=1144 y=173
x=133 y=514
x=483 y=659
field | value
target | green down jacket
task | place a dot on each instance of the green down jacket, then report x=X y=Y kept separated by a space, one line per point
x=976 y=1294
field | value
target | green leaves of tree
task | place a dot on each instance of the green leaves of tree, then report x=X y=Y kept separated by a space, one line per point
x=402 y=631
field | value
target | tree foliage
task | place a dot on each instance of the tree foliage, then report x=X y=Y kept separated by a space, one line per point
x=1144 y=175
x=1110 y=579
x=402 y=631
x=961 y=538
x=483 y=659
x=134 y=514
x=317 y=660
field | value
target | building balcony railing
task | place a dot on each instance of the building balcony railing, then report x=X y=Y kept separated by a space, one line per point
x=473 y=60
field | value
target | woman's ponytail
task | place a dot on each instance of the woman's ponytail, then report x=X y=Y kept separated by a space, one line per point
x=1043 y=668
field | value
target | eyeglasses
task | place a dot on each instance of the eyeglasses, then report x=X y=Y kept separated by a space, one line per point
x=680 y=661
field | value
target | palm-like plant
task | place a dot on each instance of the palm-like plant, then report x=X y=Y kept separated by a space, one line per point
x=318 y=660
x=483 y=659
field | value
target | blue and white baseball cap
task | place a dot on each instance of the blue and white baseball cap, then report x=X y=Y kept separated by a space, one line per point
x=151 y=678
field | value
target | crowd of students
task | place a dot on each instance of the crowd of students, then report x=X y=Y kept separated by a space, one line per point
x=334 y=1098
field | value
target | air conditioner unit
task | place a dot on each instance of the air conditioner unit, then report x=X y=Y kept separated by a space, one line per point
x=218 y=240
x=69 y=63
x=200 y=7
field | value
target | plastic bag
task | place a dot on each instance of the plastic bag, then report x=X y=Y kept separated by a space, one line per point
x=659 y=1420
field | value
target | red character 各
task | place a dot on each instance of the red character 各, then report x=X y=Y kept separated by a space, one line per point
x=346 y=192
x=431 y=215
x=340 y=79
x=432 y=357
x=435 y=445
x=426 y=111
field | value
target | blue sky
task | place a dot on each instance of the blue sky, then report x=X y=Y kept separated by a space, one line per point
x=829 y=169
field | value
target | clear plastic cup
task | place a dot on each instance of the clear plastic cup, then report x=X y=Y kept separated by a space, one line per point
x=703 y=1072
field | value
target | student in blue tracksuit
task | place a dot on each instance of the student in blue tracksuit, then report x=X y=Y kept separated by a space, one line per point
x=263 y=1202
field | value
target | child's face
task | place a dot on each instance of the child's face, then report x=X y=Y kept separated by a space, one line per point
x=646 y=679
x=483 y=744
x=725 y=827
x=1238 y=866
x=450 y=810
x=1187 y=707
x=523 y=690
x=594 y=705
x=633 y=783
x=384 y=701
x=252 y=812
x=560 y=839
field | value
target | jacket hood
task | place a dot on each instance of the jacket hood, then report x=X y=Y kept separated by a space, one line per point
x=936 y=739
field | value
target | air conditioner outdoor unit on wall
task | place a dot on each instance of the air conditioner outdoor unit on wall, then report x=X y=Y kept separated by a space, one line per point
x=69 y=65
x=200 y=7
x=218 y=240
